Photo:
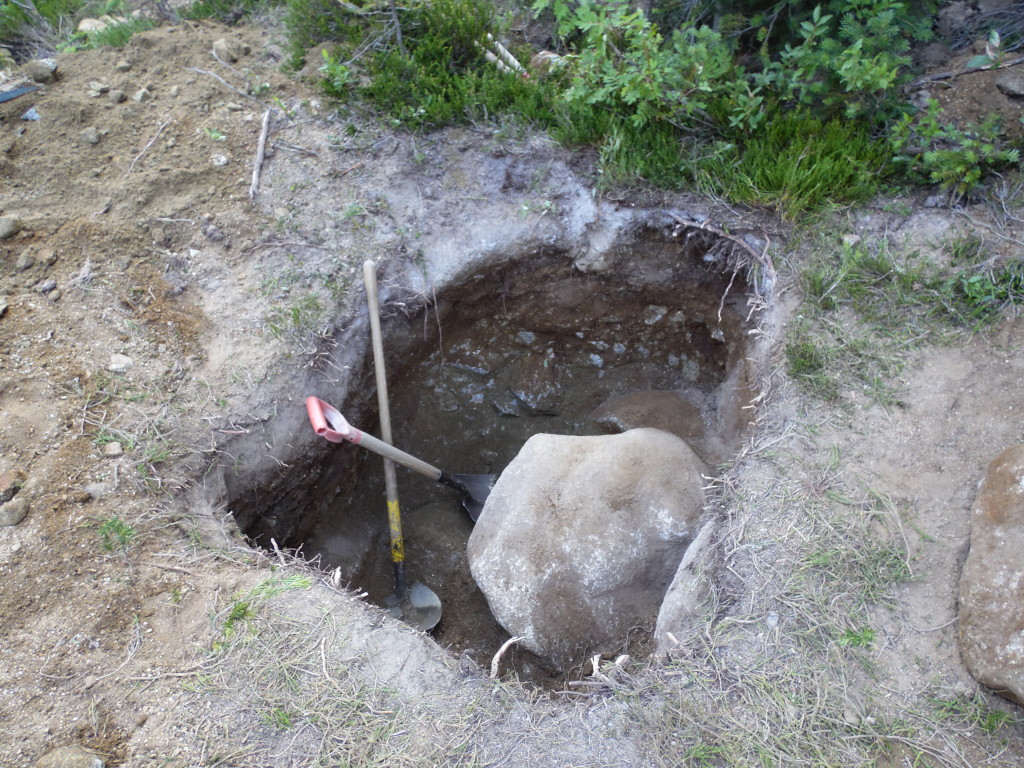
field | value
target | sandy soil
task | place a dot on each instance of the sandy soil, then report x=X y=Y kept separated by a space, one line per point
x=160 y=255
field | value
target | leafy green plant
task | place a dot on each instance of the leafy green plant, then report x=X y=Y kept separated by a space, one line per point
x=116 y=534
x=957 y=159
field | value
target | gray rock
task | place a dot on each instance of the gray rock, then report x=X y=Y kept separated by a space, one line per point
x=535 y=383
x=117 y=96
x=681 y=610
x=46 y=286
x=991 y=609
x=72 y=756
x=54 y=295
x=112 y=449
x=11 y=482
x=120 y=363
x=1011 y=83
x=952 y=18
x=230 y=50
x=26 y=260
x=9 y=226
x=90 y=135
x=13 y=511
x=989 y=6
x=3 y=306
x=40 y=70
x=47 y=257
x=142 y=95
x=581 y=537
x=123 y=65
x=661 y=409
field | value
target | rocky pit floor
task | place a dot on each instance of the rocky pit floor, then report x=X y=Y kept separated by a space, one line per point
x=174 y=327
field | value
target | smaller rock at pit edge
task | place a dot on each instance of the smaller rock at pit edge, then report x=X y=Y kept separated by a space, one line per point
x=14 y=511
x=9 y=226
x=112 y=449
x=72 y=756
x=120 y=363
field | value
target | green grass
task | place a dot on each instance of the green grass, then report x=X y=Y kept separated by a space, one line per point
x=865 y=306
x=797 y=163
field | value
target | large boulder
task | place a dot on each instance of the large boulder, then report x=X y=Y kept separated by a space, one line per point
x=992 y=582
x=581 y=537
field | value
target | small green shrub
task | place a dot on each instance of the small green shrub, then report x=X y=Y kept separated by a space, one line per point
x=116 y=534
x=929 y=150
x=227 y=11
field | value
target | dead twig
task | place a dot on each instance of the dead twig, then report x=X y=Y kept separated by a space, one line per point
x=496 y=661
x=951 y=74
x=174 y=568
x=150 y=144
x=261 y=151
x=226 y=84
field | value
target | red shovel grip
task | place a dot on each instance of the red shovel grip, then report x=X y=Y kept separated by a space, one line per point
x=328 y=422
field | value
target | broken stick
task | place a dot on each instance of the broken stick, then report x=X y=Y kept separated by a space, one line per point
x=261 y=151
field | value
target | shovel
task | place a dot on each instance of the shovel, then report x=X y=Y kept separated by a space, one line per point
x=416 y=605
x=331 y=425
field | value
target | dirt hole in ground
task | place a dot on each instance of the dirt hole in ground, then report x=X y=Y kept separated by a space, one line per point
x=531 y=346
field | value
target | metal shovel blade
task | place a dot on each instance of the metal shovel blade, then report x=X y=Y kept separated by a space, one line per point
x=420 y=607
x=473 y=489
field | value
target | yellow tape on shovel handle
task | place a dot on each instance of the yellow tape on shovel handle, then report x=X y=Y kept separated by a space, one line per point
x=395 y=523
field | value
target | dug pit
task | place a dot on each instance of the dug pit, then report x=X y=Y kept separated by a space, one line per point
x=658 y=338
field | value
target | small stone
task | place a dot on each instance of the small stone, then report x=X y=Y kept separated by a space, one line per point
x=54 y=295
x=219 y=160
x=175 y=91
x=89 y=26
x=113 y=449
x=25 y=260
x=123 y=65
x=3 y=306
x=47 y=257
x=934 y=201
x=46 y=286
x=90 y=135
x=9 y=226
x=120 y=363
x=97 y=490
x=14 y=511
x=142 y=95
x=654 y=313
x=72 y=756
x=1011 y=83
x=117 y=96
x=233 y=106
x=851 y=240
x=230 y=50
x=98 y=87
x=40 y=70
x=11 y=482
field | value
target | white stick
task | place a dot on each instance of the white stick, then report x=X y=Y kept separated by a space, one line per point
x=261 y=150
x=496 y=661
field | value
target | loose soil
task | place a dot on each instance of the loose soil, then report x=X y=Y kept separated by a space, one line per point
x=230 y=307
